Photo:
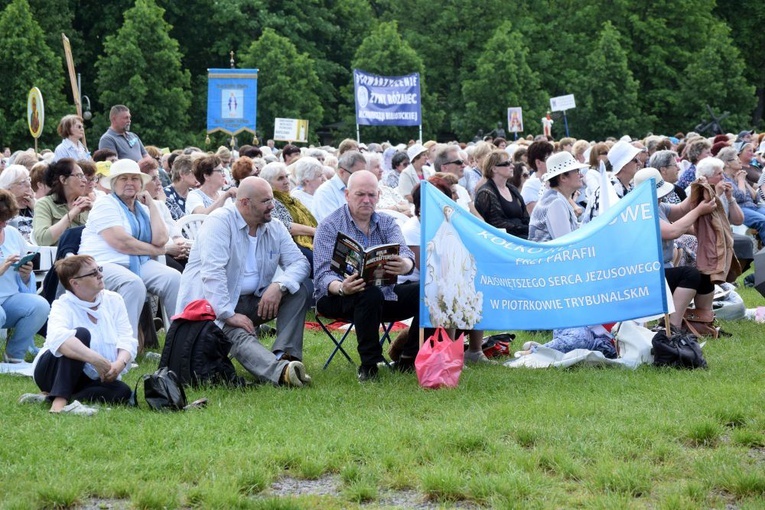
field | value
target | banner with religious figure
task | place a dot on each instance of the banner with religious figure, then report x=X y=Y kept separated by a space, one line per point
x=232 y=100
x=474 y=276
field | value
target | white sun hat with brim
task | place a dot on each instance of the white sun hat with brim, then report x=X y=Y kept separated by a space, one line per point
x=621 y=154
x=125 y=167
x=414 y=151
x=560 y=163
x=662 y=187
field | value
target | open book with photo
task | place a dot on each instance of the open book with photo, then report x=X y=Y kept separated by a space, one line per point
x=350 y=257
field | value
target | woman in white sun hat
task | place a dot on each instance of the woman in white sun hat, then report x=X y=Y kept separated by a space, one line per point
x=125 y=233
x=554 y=216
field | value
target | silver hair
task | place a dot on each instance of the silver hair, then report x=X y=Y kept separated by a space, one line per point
x=371 y=157
x=707 y=167
x=727 y=154
x=660 y=159
x=307 y=168
x=315 y=152
x=11 y=174
x=349 y=159
x=271 y=170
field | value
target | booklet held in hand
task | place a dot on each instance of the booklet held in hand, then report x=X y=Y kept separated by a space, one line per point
x=350 y=257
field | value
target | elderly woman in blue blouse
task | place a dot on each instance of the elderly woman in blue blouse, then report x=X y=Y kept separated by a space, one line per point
x=71 y=129
x=20 y=307
x=90 y=342
x=125 y=233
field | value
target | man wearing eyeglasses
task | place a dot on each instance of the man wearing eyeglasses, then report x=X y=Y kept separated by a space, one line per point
x=330 y=196
x=118 y=137
x=233 y=266
x=447 y=160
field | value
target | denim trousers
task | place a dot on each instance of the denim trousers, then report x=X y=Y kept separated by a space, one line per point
x=25 y=313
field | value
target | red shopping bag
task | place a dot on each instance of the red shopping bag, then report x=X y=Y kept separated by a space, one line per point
x=439 y=362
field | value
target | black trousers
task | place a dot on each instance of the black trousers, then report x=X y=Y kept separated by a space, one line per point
x=367 y=309
x=688 y=278
x=63 y=377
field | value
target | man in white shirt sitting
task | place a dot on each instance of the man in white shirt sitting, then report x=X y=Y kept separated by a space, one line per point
x=233 y=265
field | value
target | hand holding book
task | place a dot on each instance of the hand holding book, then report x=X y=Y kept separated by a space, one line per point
x=377 y=265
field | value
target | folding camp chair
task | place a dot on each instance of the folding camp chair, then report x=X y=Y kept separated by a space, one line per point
x=326 y=322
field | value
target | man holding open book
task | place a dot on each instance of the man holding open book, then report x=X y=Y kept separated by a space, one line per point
x=354 y=296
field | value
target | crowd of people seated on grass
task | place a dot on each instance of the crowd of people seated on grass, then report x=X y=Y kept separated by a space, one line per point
x=264 y=250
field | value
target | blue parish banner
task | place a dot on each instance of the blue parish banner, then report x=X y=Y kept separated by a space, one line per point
x=387 y=100
x=474 y=276
x=232 y=100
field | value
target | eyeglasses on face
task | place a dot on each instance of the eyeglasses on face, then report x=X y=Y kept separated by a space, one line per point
x=504 y=163
x=455 y=162
x=79 y=176
x=98 y=272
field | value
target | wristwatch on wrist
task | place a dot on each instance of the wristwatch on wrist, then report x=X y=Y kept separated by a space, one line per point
x=283 y=288
x=340 y=291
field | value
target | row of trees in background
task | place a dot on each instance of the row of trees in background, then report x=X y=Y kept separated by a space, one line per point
x=634 y=66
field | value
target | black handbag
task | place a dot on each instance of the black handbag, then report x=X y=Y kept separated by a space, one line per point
x=162 y=391
x=679 y=351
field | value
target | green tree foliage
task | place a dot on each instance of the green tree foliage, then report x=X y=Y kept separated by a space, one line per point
x=607 y=100
x=747 y=23
x=661 y=38
x=93 y=21
x=449 y=37
x=28 y=62
x=141 y=68
x=715 y=77
x=502 y=79
x=385 y=53
x=287 y=83
x=54 y=17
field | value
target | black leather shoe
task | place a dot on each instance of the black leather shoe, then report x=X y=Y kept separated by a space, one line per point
x=405 y=365
x=367 y=373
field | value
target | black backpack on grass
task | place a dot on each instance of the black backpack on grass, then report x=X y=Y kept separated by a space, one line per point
x=197 y=351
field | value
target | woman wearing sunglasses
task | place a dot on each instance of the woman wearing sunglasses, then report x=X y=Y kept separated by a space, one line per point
x=90 y=343
x=497 y=200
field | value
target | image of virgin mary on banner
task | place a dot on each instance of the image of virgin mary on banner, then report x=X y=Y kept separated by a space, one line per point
x=475 y=276
x=232 y=100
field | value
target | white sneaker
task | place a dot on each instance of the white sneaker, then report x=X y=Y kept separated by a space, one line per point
x=77 y=408
x=528 y=345
x=478 y=357
x=32 y=398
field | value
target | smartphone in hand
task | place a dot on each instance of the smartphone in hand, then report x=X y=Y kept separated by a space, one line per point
x=24 y=260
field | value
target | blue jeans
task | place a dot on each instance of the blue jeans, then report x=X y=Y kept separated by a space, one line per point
x=25 y=313
x=755 y=218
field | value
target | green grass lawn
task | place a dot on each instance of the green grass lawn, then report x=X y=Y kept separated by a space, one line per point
x=581 y=437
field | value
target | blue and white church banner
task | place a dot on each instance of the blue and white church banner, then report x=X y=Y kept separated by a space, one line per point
x=474 y=276
x=387 y=100
x=232 y=100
